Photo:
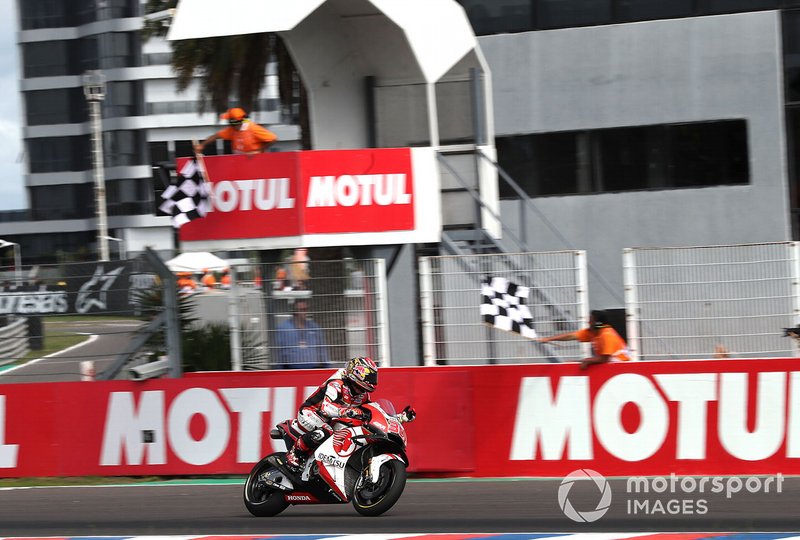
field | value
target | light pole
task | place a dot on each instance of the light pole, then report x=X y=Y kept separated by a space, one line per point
x=121 y=244
x=94 y=86
x=17 y=259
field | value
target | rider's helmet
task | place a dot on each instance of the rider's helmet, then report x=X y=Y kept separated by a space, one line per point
x=362 y=373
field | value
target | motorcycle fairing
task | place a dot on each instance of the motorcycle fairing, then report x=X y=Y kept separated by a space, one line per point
x=376 y=462
x=333 y=455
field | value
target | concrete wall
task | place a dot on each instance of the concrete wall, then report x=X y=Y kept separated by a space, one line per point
x=401 y=282
x=659 y=72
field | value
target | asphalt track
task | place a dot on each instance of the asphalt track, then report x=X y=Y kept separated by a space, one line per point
x=426 y=506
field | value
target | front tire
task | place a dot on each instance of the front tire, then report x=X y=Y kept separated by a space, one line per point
x=374 y=500
x=260 y=499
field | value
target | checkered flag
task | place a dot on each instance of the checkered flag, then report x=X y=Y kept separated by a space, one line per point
x=188 y=199
x=503 y=307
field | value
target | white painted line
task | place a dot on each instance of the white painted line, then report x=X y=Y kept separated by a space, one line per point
x=92 y=337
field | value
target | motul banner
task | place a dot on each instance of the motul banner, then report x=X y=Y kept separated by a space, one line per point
x=307 y=199
x=716 y=417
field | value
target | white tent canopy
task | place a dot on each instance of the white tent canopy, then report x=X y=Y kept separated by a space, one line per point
x=437 y=32
x=196 y=262
x=405 y=47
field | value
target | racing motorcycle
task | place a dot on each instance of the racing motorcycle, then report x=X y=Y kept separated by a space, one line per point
x=363 y=461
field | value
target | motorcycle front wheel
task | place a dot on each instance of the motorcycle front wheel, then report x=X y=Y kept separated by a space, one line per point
x=260 y=499
x=374 y=499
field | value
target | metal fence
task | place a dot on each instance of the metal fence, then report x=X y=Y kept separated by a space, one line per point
x=308 y=313
x=75 y=312
x=450 y=295
x=702 y=302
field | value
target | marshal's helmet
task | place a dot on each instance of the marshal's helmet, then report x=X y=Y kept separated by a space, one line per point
x=362 y=372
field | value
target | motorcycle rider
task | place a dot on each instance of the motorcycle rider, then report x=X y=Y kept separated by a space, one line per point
x=339 y=396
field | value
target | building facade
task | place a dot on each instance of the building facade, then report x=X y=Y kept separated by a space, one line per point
x=639 y=123
x=144 y=121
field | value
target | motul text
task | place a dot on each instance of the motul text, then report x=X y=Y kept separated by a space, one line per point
x=245 y=195
x=564 y=426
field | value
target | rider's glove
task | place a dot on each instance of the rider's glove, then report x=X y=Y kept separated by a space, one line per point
x=408 y=414
x=352 y=413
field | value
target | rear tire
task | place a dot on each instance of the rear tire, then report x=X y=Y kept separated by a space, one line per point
x=377 y=499
x=260 y=499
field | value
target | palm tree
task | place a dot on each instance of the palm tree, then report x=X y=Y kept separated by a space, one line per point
x=231 y=67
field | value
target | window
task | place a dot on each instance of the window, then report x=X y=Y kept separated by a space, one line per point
x=44 y=14
x=57 y=154
x=65 y=201
x=129 y=197
x=123 y=148
x=542 y=164
x=568 y=13
x=117 y=49
x=45 y=59
x=159 y=152
x=708 y=154
x=186 y=149
x=639 y=10
x=793 y=157
x=791 y=55
x=88 y=54
x=624 y=159
x=709 y=7
x=85 y=11
x=496 y=16
x=58 y=106
x=122 y=99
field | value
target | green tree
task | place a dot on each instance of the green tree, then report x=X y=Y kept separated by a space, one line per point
x=231 y=68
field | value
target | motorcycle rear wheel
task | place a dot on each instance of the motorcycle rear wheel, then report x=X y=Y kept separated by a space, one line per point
x=260 y=499
x=374 y=500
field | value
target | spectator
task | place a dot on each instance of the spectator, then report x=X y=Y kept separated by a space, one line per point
x=209 y=281
x=298 y=269
x=281 y=282
x=720 y=351
x=225 y=280
x=607 y=344
x=300 y=341
x=186 y=284
x=246 y=137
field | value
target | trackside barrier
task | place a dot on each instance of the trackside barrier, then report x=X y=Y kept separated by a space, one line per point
x=705 y=417
x=14 y=340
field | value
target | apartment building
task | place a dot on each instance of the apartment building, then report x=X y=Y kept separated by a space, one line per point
x=144 y=121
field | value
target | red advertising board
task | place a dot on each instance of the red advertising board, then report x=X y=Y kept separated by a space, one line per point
x=289 y=194
x=252 y=196
x=716 y=417
x=357 y=190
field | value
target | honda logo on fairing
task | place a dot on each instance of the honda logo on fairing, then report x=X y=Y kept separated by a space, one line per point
x=306 y=498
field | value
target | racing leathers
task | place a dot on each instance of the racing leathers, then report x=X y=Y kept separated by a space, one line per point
x=335 y=398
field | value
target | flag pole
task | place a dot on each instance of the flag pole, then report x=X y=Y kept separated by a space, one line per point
x=200 y=161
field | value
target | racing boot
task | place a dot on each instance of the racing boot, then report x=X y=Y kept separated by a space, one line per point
x=296 y=456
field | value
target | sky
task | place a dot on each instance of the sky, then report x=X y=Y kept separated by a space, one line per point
x=12 y=187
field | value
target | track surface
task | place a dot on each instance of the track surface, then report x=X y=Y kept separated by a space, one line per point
x=459 y=506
